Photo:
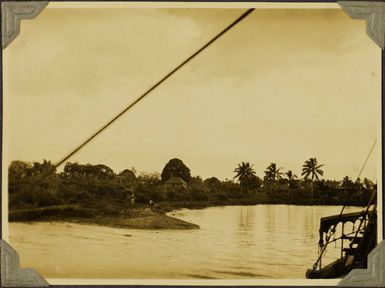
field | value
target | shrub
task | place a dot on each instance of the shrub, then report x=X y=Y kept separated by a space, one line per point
x=221 y=196
x=199 y=195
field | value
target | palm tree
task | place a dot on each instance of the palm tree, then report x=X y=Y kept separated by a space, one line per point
x=290 y=176
x=312 y=169
x=244 y=172
x=368 y=184
x=346 y=182
x=272 y=173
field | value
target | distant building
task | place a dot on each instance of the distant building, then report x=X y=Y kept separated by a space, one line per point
x=176 y=183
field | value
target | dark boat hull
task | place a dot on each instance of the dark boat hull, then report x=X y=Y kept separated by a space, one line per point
x=333 y=270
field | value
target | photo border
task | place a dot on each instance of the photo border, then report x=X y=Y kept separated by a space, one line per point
x=374 y=276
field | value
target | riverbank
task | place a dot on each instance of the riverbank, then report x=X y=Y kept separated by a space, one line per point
x=151 y=222
x=121 y=214
x=140 y=217
x=166 y=207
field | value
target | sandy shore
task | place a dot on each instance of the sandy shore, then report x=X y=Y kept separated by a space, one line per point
x=146 y=222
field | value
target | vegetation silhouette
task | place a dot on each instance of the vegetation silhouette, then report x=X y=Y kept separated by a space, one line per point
x=312 y=169
x=98 y=191
x=175 y=167
x=244 y=173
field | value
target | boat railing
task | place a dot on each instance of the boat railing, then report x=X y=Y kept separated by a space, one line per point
x=328 y=227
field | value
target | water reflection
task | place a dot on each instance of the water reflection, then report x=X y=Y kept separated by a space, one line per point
x=247 y=216
x=263 y=241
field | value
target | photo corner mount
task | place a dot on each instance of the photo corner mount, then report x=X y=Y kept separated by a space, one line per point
x=374 y=14
x=12 y=13
x=11 y=273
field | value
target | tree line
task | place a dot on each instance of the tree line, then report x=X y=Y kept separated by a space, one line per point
x=39 y=185
x=273 y=175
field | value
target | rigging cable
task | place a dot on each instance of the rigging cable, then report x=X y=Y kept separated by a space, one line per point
x=358 y=177
x=323 y=249
x=239 y=19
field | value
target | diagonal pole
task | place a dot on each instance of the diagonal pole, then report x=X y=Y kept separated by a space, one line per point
x=89 y=139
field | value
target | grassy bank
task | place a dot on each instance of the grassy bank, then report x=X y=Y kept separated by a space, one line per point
x=111 y=214
x=121 y=214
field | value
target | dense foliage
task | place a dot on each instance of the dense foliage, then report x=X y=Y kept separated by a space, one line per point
x=34 y=185
x=176 y=168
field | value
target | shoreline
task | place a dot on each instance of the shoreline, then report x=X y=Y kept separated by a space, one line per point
x=119 y=215
x=138 y=218
x=156 y=222
x=166 y=207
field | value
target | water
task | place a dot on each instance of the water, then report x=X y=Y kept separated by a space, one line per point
x=234 y=242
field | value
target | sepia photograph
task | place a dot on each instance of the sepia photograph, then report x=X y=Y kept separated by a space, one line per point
x=146 y=142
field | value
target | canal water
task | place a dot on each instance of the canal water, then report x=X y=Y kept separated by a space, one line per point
x=233 y=242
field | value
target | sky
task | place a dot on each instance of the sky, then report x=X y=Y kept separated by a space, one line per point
x=282 y=86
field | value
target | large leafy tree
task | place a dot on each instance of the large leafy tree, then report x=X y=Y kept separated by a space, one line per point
x=311 y=169
x=19 y=170
x=244 y=173
x=46 y=168
x=102 y=171
x=128 y=175
x=88 y=170
x=213 y=184
x=176 y=168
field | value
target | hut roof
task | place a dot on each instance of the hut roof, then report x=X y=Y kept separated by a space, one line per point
x=175 y=180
